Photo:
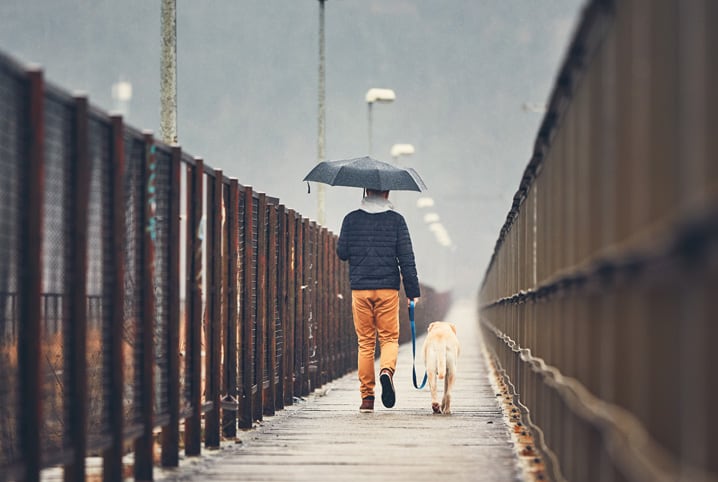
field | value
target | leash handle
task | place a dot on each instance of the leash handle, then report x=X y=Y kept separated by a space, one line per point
x=412 y=304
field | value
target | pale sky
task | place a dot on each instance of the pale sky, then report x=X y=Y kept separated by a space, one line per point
x=248 y=83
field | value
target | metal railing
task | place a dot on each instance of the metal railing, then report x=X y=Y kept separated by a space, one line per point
x=596 y=305
x=146 y=298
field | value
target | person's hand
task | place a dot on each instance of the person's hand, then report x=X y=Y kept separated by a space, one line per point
x=415 y=300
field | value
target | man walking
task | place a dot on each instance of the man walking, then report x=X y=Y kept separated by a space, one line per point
x=376 y=242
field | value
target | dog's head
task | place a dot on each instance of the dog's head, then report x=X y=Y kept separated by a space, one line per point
x=437 y=323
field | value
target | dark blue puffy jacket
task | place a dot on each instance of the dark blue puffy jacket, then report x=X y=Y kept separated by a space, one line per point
x=377 y=245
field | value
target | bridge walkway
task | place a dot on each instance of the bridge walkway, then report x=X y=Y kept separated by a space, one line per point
x=326 y=438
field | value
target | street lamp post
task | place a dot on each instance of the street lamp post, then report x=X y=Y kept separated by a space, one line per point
x=322 y=113
x=373 y=95
x=168 y=72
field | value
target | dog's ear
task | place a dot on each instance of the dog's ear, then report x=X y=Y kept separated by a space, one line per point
x=453 y=327
x=431 y=325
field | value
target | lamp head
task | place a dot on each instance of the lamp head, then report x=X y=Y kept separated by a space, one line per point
x=380 y=95
x=401 y=150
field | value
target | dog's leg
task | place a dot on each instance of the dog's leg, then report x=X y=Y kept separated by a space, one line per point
x=448 y=384
x=431 y=378
x=446 y=401
x=434 y=392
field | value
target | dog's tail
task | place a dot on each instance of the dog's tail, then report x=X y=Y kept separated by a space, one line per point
x=441 y=359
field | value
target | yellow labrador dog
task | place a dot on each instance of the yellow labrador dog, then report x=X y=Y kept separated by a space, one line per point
x=441 y=353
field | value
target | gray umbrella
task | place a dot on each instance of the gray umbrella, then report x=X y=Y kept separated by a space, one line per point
x=367 y=173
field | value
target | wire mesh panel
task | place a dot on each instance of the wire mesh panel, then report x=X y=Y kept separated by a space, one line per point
x=300 y=329
x=213 y=305
x=193 y=305
x=311 y=311
x=57 y=267
x=205 y=282
x=231 y=316
x=185 y=401
x=159 y=197
x=12 y=119
x=274 y=302
x=99 y=276
x=268 y=303
x=256 y=377
x=134 y=259
x=240 y=288
x=226 y=289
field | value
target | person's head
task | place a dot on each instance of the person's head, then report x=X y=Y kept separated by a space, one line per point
x=377 y=193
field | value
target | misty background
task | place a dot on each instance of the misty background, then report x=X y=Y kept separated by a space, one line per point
x=468 y=77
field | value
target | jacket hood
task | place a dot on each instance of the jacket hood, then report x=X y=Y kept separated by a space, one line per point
x=375 y=204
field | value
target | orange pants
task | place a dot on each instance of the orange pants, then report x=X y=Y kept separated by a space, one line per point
x=375 y=312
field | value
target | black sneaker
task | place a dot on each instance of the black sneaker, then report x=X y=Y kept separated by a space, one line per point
x=388 y=395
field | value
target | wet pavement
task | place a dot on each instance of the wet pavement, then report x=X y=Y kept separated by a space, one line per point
x=325 y=437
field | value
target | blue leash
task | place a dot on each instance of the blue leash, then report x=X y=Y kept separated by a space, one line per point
x=413 y=347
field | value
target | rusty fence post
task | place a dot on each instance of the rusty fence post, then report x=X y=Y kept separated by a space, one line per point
x=193 y=308
x=30 y=279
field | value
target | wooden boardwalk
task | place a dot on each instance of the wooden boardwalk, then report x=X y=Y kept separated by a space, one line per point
x=325 y=438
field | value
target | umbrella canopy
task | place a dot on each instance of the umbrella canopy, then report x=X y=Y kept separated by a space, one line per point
x=367 y=173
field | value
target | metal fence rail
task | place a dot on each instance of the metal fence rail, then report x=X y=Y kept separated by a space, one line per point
x=596 y=304
x=146 y=298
